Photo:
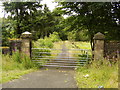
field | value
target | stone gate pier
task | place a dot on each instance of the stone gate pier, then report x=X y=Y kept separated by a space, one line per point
x=26 y=43
x=99 y=41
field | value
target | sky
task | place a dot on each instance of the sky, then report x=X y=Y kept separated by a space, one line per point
x=49 y=3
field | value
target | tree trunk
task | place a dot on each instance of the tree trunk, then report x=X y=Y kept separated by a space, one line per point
x=18 y=26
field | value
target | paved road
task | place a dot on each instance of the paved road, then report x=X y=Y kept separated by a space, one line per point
x=45 y=78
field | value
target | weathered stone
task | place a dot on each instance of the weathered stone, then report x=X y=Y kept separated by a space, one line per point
x=15 y=45
x=5 y=50
x=98 y=46
x=112 y=49
x=26 y=43
x=99 y=36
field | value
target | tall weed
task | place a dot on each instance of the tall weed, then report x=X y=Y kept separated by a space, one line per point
x=16 y=61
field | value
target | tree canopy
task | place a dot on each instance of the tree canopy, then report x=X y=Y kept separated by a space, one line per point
x=85 y=19
x=94 y=17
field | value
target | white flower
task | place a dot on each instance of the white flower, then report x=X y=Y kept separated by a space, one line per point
x=101 y=87
x=87 y=75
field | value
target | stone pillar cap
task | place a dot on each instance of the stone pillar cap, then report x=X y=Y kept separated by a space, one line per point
x=26 y=35
x=99 y=36
x=26 y=32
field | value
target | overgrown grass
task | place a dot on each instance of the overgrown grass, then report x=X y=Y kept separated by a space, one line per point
x=57 y=46
x=97 y=74
x=16 y=65
x=81 y=45
x=82 y=54
x=14 y=74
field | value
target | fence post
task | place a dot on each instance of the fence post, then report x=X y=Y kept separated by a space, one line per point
x=99 y=41
x=26 y=43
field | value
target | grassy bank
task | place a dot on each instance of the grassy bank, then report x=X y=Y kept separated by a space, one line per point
x=98 y=74
x=81 y=45
x=14 y=66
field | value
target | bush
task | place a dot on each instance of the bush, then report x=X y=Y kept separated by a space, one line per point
x=47 y=42
x=54 y=37
x=43 y=43
x=71 y=36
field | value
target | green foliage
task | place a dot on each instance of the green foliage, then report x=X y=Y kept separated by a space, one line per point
x=8 y=31
x=82 y=36
x=47 y=42
x=16 y=57
x=71 y=36
x=21 y=12
x=32 y=17
x=54 y=37
x=14 y=74
x=8 y=63
x=43 y=43
x=17 y=61
x=98 y=73
x=16 y=65
x=27 y=63
x=77 y=35
x=81 y=45
x=94 y=17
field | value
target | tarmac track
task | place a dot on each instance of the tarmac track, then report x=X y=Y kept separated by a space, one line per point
x=46 y=77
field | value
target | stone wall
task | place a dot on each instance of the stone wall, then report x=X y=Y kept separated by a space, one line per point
x=22 y=45
x=5 y=50
x=104 y=48
x=15 y=45
x=112 y=49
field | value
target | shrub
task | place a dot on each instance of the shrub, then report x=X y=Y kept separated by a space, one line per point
x=43 y=43
x=54 y=37
x=47 y=42
x=71 y=36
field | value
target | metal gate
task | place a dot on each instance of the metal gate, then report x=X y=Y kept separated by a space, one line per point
x=61 y=57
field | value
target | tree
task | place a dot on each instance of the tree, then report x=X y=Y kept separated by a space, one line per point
x=33 y=17
x=22 y=12
x=94 y=17
x=8 y=31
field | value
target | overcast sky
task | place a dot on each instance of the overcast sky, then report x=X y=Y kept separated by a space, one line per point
x=49 y=3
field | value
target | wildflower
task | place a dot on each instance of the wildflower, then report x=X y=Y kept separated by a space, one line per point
x=101 y=87
x=87 y=75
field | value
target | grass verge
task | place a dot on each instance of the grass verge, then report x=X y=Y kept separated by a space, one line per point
x=14 y=66
x=98 y=74
x=14 y=74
